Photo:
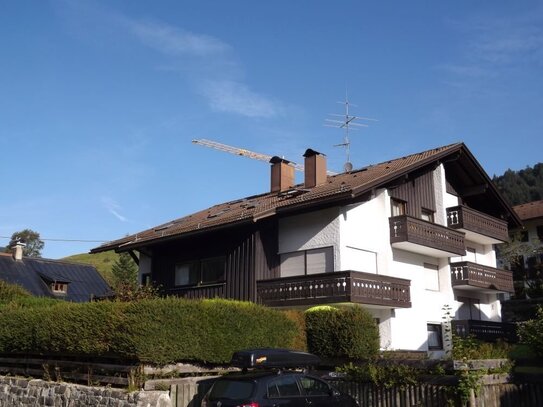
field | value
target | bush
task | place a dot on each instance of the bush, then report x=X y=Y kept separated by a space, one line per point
x=342 y=333
x=156 y=331
x=531 y=332
x=10 y=292
x=300 y=341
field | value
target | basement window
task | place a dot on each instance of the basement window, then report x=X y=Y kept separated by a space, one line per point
x=435 y=337
x=200 y=272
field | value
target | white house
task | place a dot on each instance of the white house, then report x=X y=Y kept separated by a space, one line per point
x=403 y=239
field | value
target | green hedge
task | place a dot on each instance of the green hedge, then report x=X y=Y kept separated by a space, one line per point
x=154 y=331
x=342 y=333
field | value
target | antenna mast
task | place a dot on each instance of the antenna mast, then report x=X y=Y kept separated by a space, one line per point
x=347 y=123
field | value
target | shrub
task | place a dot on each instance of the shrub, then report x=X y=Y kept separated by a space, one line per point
x=342 y=333
x=531 y=332
x=155 y=331
x=300 y=340
x=10 y=292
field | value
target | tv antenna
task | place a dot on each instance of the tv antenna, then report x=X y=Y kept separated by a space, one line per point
x=348 y=122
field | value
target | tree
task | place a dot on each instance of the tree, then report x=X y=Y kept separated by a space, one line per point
x=515 y=254
x=34 y=245
x=531 y=332
x=125 y=272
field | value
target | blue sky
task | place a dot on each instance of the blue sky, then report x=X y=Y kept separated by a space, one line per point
x=99 y=100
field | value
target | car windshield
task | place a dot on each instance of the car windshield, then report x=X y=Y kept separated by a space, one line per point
x=231 y=389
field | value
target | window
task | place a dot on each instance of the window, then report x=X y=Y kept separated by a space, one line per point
x=435 y=337
x=200 y=272
x=539 y=230
x=59 y=288
x=314 y=387
x=427 y=215
x=470 y=308
x=398 y=207
x=313 y=261
x=524 y=236
x=431 y=277
x=283 y=387
x=146 y=279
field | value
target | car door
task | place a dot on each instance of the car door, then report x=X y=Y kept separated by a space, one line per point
x=284 y=391
x=319 y=393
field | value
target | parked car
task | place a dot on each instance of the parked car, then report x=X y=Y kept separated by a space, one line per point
x=269 y=383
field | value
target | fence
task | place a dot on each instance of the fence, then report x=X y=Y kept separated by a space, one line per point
x=190 y=394
x=95 y=371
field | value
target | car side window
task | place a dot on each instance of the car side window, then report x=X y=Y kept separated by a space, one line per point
x=284 y=386
x=314 y=387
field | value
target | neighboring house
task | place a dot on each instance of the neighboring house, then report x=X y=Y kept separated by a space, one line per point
x=402 y=239
x=530 y=268
x=53 y=278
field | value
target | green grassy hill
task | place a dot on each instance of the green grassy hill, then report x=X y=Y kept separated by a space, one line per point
x=102 y=262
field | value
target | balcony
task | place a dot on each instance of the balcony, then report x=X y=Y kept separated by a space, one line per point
x=478 y=227
x=472 y=276
x=485 y=330
x=197 y=292
x=419 y=236
x=342 y=286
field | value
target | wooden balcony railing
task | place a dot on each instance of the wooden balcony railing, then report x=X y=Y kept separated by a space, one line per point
x=485 y=330
x=196 y=292
x=341 y=286
x=466 y=273
x=462 y=217
x=419 y=232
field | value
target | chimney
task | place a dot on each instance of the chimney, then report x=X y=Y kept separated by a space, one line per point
x=314 y=168
x=18 y=250
x=282 y=174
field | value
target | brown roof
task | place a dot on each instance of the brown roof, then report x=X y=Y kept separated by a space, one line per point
x=251 y=209
x=530 y=210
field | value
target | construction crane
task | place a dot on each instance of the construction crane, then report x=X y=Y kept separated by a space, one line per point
x=245 y=153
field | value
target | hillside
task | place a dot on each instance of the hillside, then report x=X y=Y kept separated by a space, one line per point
x=521 y=186
x=102 y=262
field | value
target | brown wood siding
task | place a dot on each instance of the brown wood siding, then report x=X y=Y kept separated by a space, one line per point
x=418 y=193
x=236 y=245
x=250 y=254
x=266 y=257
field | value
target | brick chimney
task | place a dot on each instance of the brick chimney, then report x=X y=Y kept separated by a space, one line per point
x=282 y=174
x=314 y=168
x=18 y=250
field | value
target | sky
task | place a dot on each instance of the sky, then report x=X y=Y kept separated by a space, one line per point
x=99 y=100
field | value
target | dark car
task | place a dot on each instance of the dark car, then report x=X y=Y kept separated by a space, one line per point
x=274 y=389
x=269 y=383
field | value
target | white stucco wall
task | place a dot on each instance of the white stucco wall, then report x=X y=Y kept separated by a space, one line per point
x=360 y=237
x=310 y=231
x=364 y=235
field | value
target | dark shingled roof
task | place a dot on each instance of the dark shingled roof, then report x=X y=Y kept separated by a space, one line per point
x=34 y=274
x=251 y=209
x=530 y=210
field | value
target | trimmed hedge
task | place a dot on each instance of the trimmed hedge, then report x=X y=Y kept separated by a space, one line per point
x=342 y=333
x=10 y=292
x=157 y=331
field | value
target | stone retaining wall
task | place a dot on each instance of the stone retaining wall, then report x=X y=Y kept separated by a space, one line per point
x=31 y=393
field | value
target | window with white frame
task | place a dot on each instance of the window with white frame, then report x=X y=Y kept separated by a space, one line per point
x=431 y=277
x=303 y=262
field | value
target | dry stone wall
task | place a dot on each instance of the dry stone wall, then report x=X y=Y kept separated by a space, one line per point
x=31 y=393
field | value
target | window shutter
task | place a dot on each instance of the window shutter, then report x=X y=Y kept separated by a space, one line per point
x=292 y=264
x=320 y=261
